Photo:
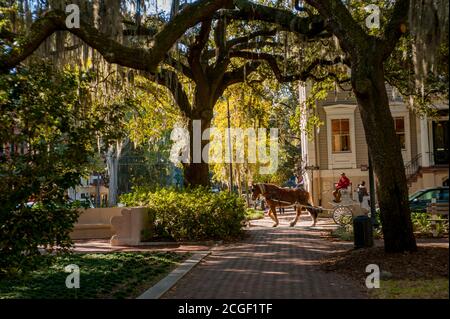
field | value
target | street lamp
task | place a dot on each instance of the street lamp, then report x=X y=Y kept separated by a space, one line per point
x=229 y=146
x=372 y=194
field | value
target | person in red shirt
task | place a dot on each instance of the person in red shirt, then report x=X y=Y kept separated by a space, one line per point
x=343 y=183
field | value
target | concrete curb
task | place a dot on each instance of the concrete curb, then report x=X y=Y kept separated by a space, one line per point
x=171 y=279
x=174 y=243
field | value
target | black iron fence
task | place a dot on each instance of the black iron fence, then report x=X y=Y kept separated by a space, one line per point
x=413 y=166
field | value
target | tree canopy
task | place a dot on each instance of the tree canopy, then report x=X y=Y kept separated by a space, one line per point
x=199 y=50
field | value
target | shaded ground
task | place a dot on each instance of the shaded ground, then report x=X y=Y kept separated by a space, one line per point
x=427 y=262
x=270 y=263
x=423 y=274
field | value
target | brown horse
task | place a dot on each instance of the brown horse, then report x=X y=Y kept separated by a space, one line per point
x=281 y=197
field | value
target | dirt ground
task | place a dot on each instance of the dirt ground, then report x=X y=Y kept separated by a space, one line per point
x=428 y=262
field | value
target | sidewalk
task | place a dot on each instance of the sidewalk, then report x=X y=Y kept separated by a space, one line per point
x=103 y=246
x=271 y=263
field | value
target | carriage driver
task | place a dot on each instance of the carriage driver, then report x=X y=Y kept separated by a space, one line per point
x=343 y=183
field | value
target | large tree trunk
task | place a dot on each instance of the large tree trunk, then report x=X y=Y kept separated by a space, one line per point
x=197 y=174
x=385 y=151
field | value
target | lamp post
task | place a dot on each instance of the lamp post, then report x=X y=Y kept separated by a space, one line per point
x=372 y=194
x=97 y=188
x=229 y=146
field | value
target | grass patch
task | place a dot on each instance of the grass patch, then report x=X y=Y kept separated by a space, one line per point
x=343 y=233
x=252 y=214
x=436 y=288
x=109 y=275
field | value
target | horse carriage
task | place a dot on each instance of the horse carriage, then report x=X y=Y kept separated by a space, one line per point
x=342 y=212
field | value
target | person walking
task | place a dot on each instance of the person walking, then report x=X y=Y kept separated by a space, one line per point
x=362 y=191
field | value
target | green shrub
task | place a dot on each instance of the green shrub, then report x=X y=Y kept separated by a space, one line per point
x=251 y=214
x=27 y=229
x=49 y=153
x=343 y=232
x=422 y=224
x=191 y=214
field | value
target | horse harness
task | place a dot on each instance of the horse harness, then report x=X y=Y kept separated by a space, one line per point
x=262 y=188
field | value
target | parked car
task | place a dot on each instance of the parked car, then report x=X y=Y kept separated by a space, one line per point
x=215 y=189
x=419 y=200
x=79 y=203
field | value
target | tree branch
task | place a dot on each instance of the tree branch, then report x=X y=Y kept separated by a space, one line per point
x=7 y=35
x=255 y=45
x=240 y=43
x=395 y=27
x=195 y=53
x=179 y=66
x=169 y=79
x=341 y=23
x=311 y=26
x=237 y=76
x=220 y=32
x=272 y=62
x=112 y=51
x=260 y=33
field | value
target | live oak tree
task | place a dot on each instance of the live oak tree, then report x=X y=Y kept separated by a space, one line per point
x=366 y=54
x=214 y=60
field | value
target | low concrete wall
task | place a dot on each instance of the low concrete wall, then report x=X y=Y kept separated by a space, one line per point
x=129 y=226
x=95 y=223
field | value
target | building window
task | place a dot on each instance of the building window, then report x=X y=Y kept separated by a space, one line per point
x=400 y=131
x=340 y=135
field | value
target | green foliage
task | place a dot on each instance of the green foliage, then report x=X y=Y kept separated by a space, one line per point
x=251 y=214
x=46 y=136
x=148 y=165
x=400 y=73
x=191 y=214
x=112 y=275
x=343 y=232
x=419 y=288
x=423 y=224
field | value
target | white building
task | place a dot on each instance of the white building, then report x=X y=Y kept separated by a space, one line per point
x=340 y=145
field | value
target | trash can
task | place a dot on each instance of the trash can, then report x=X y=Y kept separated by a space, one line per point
x=362 y=231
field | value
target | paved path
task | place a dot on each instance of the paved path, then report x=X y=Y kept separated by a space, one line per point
x=103 y=246
x=271 y=263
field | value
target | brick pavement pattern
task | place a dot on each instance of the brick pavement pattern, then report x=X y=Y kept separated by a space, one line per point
x=271 y=263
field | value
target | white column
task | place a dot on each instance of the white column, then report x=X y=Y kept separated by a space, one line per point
x=424 y=142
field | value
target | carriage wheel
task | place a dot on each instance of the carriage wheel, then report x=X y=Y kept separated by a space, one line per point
x=342 y=215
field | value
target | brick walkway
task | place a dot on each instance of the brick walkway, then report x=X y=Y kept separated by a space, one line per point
x=280 y=262
x=103 y=246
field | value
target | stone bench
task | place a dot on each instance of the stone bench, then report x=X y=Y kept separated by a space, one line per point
x=129 y=227
x=95 y=223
